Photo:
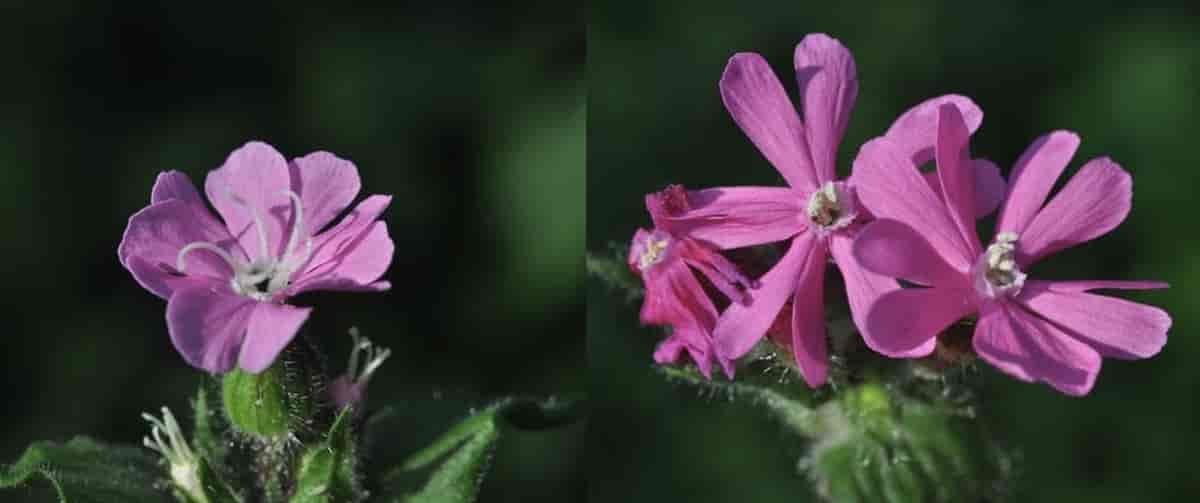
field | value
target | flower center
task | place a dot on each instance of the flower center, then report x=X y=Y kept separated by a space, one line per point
x=831 y=207
x=996 y=272
x=263 y=277
x=654 y=250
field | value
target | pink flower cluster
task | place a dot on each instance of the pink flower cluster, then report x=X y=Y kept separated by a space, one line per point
x=888 y=221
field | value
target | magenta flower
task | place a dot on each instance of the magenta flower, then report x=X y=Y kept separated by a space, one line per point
x=674 y=296
x=1034 y=330
x=227 y=282
x=819 y=213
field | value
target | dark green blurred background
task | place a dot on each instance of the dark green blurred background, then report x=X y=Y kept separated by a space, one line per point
x=471 y=115
x=1128 y=80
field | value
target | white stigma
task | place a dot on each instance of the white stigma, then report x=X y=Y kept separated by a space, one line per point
x=263 y=277
x=996 y=271
x=184 y=465
x=373 y=355
x=831 y=207
x=653 y=251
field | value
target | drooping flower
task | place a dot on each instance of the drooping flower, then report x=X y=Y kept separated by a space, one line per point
x=227 y=281
x=350 y=389
x=820 y=214
x=674 y=296
x=1036 y=330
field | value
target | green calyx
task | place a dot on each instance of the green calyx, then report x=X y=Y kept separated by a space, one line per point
x=257 y=404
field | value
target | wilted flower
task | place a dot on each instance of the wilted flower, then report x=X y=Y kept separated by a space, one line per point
x=350 y=389
x=674 y=296
x=227 y=282
x=1043 y=330
x=183 y=464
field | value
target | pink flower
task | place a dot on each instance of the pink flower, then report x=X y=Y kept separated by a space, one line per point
x=1034 y=330
x=674 y=296
x=227 y=281
x=819 y=213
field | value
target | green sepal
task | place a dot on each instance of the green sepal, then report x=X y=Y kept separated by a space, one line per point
x=326 y=473
x=256 y=404
x=888 y=446
x=86 y=471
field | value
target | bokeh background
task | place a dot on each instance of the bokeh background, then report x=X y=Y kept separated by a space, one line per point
x=473 y=116
x=1126 y=79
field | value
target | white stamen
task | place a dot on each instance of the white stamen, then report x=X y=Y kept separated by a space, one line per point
x=831 y=207
x=258 y=222
x=202 y=245
x=996 y=271
x=297 y=223
x=276 y=272
x=653 y=251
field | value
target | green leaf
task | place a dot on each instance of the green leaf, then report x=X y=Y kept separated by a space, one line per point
x=465 y=449
x=86 y=471
x=327 y=472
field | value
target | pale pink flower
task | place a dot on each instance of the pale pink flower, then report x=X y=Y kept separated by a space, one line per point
x=227 y=281
x=1035 y=330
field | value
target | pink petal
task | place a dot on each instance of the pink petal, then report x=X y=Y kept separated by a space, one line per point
x=1116 y=327
x=760 y=106
x=905 y=323
x=808 y=323
x=1028 y=348
x=326 y=184
x=162 y=280
x=734 y=217
x=1093 y=202
x=207 y=324
x=1032 y=178
x=893 y=249
x=337 y=241
x=271 y=328
x=257 y=175
x=358 y=263
x=889 y=186
x=915 y=132
x=989 y=186
x=957 y=174
x=741 y=326
x=685 y=339
x=157 y=233
x=828 y=82
x=863 y=287
x=174 y=185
